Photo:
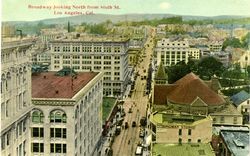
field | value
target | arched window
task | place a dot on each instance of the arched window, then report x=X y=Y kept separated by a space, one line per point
x=8 y=81
x=76 y=112
x=37 y=116
x=2 y=83
x=24 y=74
x=81 y=106
x=58 y=116
x=20 y=76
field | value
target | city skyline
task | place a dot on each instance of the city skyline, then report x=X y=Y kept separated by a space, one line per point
x=191 y=7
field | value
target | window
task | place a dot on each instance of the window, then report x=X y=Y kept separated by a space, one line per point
x=2 y=111
x=58 y=117
x=235 y=120
x=199 y=140
x=58 y=148
x=58 y=132
x=38 y=147
x=189 y=140
x=189 y=131
x=180 y=131
x=37 y=132
x=214 y=119
x=222 y=119
x=37 y=117
x=180 y=140
x=3 y=142
x=8 y=138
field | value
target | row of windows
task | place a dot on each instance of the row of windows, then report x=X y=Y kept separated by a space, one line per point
x=86 y=49
x=86 y=57
x=55 y=117
x=189 y=132
x=38 y=132
x=20 y=129
x=174 y=44
x=114 y=84
x=54 y=148
x=189 y=141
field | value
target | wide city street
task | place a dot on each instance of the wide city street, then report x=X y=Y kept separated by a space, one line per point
x=126 y=142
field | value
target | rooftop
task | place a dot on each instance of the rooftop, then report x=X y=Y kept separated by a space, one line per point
x=240 y=97
x=182 y=150
x=185 y=91
x=90 y=38
x=217 y=129
x=228 y=110
x=236 y=141
x=166 y=119
x=49 y=85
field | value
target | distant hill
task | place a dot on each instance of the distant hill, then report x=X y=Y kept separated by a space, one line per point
x=34 y=27
x=98 y=18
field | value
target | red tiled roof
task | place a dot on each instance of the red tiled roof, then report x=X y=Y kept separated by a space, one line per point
x=185 y=91
x=48 y=85
x=190 y=87
x=161 y=92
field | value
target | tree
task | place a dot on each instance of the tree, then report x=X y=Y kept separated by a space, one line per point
x=248 y=71
x=246 y=41
x=233 y=42
x=177 y=71
x=209 y=66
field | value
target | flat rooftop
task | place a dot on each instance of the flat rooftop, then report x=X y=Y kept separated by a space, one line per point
x=237 y=141
x=164 y=118
x=90 y=38
x=49 y=85
x=182 y=150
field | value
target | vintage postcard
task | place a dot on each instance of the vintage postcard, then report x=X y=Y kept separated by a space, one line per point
x=125 y=77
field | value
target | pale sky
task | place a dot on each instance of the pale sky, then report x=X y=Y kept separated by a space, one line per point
x=17 y=10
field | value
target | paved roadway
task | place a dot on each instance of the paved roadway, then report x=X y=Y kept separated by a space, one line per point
x=126 y=142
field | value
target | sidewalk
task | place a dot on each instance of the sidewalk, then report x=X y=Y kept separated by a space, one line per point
x=106 y=141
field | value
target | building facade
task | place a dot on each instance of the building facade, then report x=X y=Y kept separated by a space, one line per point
x=67 y=114
x=15 y=96
x=177 y=128
x=95 y=54
x=172 y=52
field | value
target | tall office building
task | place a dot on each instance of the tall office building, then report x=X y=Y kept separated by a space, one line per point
x=172 y=52
x=15 y=96
x=67 y=114
x=109 y=55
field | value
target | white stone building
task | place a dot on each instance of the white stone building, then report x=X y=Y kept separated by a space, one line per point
x=172 y=52
x=67 y=115
x=109 y=55
x=15 y=96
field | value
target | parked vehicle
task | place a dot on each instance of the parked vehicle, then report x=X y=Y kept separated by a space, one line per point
x=130 y=110
x=138 y=150
x=133 y=124
x=141 y=133
x=143 y=121
x=118 y=130
x=126 y=125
